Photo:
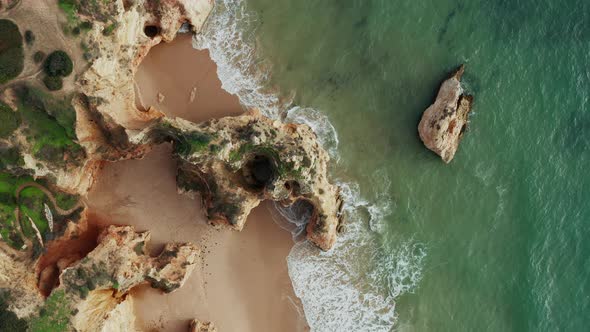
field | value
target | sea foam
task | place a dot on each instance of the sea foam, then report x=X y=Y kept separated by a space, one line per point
x=352 y=287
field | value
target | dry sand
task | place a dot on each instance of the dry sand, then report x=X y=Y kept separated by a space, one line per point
x=243 y=283
x=174 y=70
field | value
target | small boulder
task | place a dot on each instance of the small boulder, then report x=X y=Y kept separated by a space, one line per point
x=198 y=326
x=444 y=122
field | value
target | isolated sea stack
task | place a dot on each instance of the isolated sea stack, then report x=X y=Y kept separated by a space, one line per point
x=444 y=122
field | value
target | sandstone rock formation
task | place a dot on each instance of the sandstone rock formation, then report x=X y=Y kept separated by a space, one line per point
x=120 y=262
x=444 y=122
x=96 y=288
x=232 y=163
x=236 y=162
x=198 y=326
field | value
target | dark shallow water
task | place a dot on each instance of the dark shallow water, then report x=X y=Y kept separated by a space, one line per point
x=494 y=241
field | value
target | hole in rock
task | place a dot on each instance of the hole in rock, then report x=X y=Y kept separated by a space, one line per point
x=293 y=187
x=259 y=172
x=151 y=31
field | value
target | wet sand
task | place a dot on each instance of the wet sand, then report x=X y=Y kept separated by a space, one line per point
x=243 y=283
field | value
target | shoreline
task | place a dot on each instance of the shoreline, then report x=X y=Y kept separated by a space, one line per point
x=247 y=268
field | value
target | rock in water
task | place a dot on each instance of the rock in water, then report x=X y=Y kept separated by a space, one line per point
x=444 y=122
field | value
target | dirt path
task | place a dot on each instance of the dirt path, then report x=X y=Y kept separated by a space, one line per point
x=49 y=195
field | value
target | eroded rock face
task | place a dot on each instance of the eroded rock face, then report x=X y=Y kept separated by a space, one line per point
x=444 y=122
x=16 y=277
x=120 y=262
x=236 y=162
x=233 y=163
x=94 y=292
x=140 y=26
x=198 y=326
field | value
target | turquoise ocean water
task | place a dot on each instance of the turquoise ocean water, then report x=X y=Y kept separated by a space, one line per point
x=495 y=241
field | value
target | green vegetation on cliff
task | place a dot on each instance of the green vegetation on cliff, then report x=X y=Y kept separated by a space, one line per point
x=11 y=51
x=9 y=229
x=55 y=314
x=8 y=320
x=50 y=125
x=9 y=120
x=53 y=83
x=10 y=158
x=31 y=204
x=98 y=10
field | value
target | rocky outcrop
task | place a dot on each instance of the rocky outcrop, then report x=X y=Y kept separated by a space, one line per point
x=140 y=25
x=17 y=279
x=444 y=122
x=198 y=326
x=120 y=262
x=94 y=292
x=61 y=139
x=236 y=162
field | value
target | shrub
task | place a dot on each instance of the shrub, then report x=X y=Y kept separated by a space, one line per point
x=9 y=120
x=70 y=7
x=29 y=37
x=11 y=51
x=109 y=29
x=54 y=315
x=85 y=26
x=38 y=56
x=58 y=63
x=8 y=320
x=53 y=83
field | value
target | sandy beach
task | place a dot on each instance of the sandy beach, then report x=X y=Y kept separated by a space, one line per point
x=243 y=283
x=171 y=72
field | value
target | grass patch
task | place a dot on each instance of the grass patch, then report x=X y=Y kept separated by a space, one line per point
x=38 y=56
x=54 y=316
x=8 y=186
x=8 y=320
x=191 y=143
x=51 y=125
x=70 y=8
x=11 y=51
x=109 y=29
x=9 y=121
x=31 y=203
x=53 y=83
x=10 y=158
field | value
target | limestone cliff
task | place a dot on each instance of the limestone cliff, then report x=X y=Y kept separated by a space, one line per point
x=236 y=162
x=53 y=143
x=95 y=290
x=444 y=122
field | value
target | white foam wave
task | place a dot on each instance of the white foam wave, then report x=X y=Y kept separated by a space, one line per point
x=320 y=124
x=352 y=287
x=291 y=218
x=229 y=37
